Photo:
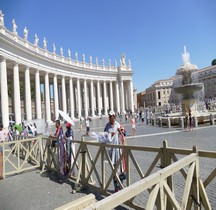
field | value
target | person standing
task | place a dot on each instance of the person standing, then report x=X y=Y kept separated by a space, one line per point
x=133 y=126
x=70 y=146
x=190 y=120
x=80 y=125
x=142 y=117
x=58 y=138
x=3 y=135
x=113 y=129
x=186 y=119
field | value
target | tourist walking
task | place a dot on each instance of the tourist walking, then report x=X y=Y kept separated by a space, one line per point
x=133 y=126
x=87 y=124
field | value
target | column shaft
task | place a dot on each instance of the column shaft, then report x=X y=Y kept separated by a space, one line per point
x=85 y=98
x=131 y=96
x=64 y=103
x=4 y=94
x=71 y=97
x=17 y=101
x=105 y=98
x=111 y=96
x=28 y=106
x=47 y=98
x=38 y=95
x=122 y=97
x=92 y=98
x=78 y=98
x=117 y=97
x=98 y=93
x=56 y=98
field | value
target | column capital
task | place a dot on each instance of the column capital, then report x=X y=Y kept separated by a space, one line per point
x=2 y=59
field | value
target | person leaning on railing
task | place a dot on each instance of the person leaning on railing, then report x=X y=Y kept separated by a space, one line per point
x=56 y=135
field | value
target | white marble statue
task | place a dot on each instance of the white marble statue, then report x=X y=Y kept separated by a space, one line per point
x=123 y=57
x=69 y=53
x=25 y=32
x=96 y=61
x=90 y=59
x=103 y=62
x=45 y=43
x=14 y=26
x=1 y=18
x=76 y=56
x=185 y=57
x=109 y=62
x=36 y=40
x=83 y=58
x=54 y=49
x=61 y=51
x=116 y=63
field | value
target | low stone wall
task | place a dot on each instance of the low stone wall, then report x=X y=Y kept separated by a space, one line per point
x=179 y=121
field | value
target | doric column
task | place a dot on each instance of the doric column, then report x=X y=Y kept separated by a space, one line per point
x=98 y=93
x=122 y=97
x=71 y=97
x=56 y=99
x=85 y=98
x=105 y=98
x=16 y=90
x=4 y=93
x=47 y=98
x=92 y=98
x=78 y=98
x=111 y=96
x=117 y=97
x=38 y=95
x=28 y=106
x=64 y=103
x=131 y=96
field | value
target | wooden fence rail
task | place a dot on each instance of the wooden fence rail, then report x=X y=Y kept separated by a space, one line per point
x=162 y=178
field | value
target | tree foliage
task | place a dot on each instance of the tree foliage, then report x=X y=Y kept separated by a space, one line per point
x=213 y=62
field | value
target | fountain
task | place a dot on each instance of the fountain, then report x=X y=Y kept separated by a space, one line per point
x=189 y=89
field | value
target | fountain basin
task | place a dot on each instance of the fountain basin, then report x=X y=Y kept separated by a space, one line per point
x=188 y=90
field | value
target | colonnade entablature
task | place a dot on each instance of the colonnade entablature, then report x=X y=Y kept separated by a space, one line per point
x=36 y=83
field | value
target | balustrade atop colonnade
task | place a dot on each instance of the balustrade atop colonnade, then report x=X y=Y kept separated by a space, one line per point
x=36 y=83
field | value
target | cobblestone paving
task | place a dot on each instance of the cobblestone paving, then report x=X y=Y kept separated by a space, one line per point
x=31 y=190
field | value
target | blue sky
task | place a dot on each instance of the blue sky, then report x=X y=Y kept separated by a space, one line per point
x=151 y=33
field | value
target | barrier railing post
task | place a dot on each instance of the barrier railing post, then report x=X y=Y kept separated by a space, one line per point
x=166 y=161
x=83 y=152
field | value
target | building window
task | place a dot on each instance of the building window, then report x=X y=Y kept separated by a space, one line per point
x=159 y=96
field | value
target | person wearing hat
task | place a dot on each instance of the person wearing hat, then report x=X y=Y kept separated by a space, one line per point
x=113 y=129
x=70 y=145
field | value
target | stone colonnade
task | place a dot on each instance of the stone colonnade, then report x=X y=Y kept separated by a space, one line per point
x=78 y=96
